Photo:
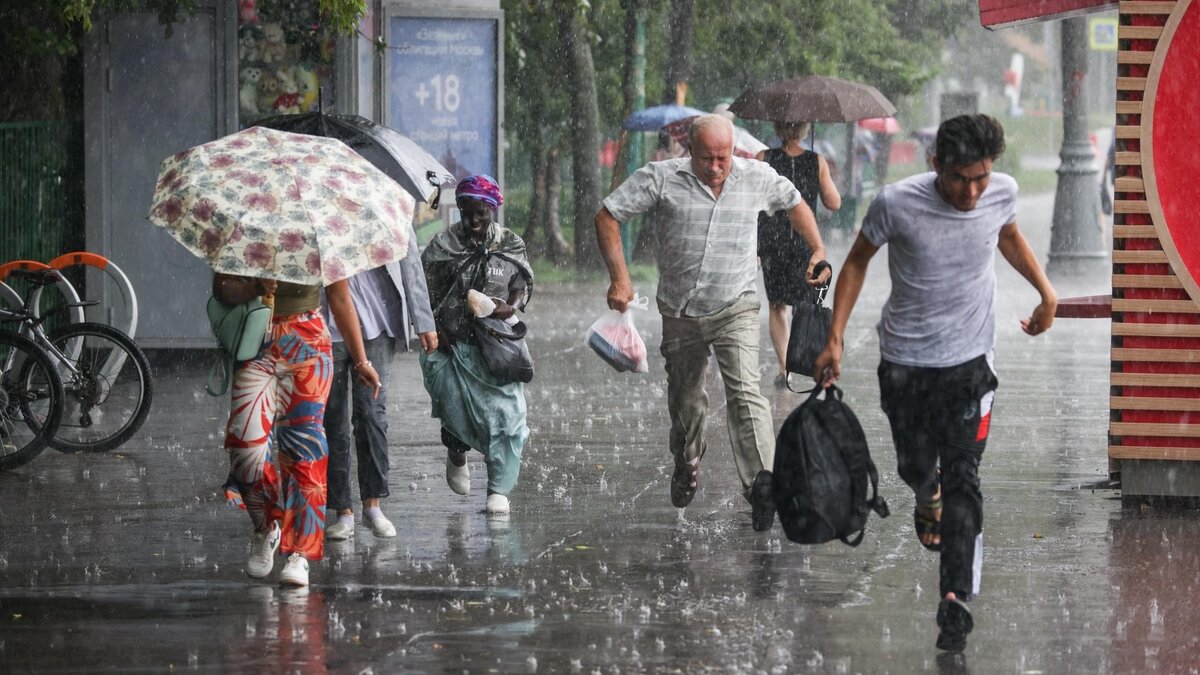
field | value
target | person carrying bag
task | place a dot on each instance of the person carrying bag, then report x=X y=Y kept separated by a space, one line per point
x=239 y=327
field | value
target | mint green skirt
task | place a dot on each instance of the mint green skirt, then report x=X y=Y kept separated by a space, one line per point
x=479 y=410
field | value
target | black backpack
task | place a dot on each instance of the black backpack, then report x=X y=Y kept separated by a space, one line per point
x=822 y=465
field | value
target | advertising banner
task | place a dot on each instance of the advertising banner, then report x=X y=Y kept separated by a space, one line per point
x=442 y=88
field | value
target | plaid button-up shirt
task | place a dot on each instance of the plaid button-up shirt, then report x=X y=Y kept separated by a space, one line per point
x=707 y=248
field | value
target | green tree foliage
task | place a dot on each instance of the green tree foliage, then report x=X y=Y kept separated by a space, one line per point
x=894 y=45
x=50 y=27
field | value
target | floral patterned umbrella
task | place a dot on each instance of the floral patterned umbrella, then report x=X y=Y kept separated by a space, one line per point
x=283 y=206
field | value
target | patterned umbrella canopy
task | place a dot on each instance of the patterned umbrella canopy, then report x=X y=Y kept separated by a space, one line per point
x=283 y=206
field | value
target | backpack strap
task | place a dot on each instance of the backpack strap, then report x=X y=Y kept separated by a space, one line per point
x=856 y=540
x=878 y=504
x=225 y=364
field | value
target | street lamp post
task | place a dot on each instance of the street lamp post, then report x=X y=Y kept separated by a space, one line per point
x=1076 y=236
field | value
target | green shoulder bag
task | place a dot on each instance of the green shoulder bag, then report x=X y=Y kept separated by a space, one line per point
x=240 y=331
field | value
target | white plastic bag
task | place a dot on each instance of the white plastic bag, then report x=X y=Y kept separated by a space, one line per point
x=616 y=341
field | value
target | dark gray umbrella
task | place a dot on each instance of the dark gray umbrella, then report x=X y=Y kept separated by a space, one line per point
x=397 y=155
x=812 y=98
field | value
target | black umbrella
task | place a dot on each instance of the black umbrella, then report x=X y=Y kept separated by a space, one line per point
x=392 y=152
x=812 y=98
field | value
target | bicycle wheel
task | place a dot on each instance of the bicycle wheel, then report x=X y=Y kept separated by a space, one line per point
x=31 y=400
x=108 y=388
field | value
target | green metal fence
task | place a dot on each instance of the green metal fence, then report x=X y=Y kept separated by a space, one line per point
x=32 y=199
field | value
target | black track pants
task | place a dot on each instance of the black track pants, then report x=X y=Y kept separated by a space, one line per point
x=940 y=419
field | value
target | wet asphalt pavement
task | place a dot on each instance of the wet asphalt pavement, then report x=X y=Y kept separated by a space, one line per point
x=131 y=561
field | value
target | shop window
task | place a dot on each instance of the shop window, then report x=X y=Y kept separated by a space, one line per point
x=285 y=59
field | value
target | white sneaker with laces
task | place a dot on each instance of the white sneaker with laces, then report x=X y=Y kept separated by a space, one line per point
x=295 y=572
x=497 y=503
x=382 y=527
x=458 y=477
x=262 y=552
x=339 y=530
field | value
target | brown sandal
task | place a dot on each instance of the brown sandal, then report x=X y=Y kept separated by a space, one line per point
x=684 y=482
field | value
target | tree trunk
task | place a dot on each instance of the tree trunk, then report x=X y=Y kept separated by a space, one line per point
x=585 y=134
x=679 y=63
x=633 y=89
x=537 y=168
x=558 y=249
x=679 y=69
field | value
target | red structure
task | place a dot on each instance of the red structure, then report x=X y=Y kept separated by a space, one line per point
x=997 y=13
x=1154 y=432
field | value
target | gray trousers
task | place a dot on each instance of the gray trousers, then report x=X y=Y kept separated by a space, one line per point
x=352 y=413
x=732 y=334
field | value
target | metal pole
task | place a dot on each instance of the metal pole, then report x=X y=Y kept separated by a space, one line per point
x=1076 y=235
x=634 y=155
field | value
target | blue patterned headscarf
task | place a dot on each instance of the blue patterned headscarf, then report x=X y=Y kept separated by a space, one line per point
x=481 y=187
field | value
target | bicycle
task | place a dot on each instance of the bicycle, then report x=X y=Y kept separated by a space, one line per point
x=31 y=400
x=106 y=377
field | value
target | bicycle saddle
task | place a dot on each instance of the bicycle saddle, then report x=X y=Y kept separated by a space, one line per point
x=38 y=277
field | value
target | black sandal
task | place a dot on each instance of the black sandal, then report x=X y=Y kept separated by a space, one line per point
x=684 y=482
x=929 y=526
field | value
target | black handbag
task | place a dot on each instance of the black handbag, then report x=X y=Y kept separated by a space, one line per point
x=504 y=349
x=811 y=322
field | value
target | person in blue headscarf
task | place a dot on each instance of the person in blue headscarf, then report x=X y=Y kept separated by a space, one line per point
x=477 y=411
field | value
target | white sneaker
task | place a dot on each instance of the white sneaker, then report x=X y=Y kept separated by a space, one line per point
x=262 y=552
x=497 y=503
x=458 y=477
x=339 y=530
x=382 y=527
x=295 y=572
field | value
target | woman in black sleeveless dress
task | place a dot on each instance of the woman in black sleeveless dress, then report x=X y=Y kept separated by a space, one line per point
x=783 y=254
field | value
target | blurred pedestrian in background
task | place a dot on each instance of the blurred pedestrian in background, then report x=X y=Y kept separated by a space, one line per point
x=784 y=255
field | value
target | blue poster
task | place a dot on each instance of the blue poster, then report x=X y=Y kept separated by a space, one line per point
x=442 y=89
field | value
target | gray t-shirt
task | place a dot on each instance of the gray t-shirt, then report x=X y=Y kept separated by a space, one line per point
x=942 y=308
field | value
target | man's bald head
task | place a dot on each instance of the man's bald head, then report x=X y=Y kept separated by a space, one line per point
x=711 y=138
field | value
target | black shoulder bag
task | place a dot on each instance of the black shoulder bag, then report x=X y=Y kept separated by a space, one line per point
x=504 y=349
x=811 y=322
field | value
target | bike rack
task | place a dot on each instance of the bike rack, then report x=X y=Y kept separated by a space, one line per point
x=115 y=361
x=85 y=259
x=7 y=293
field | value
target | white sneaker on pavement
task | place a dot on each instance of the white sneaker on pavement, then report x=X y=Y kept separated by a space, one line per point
x=262 y=552
x=339 y=530
x=497 y=503
x=458 y=477
x=382 y=527
x=295 y=572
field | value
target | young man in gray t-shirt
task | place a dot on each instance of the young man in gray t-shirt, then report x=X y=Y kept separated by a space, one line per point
x=937 y=336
